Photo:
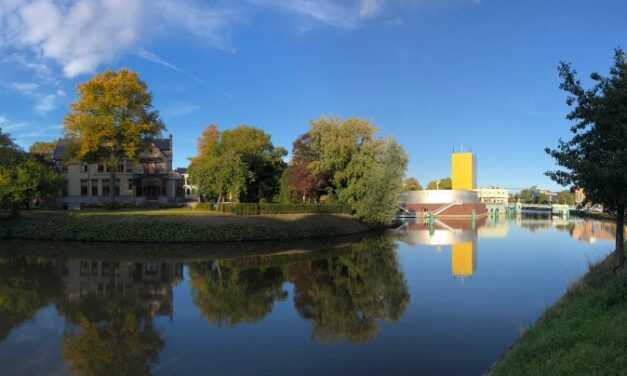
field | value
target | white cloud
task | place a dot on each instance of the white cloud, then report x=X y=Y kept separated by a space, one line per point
x=81 y=35
x=45 y=104
x=147 y=55
x=26 y=88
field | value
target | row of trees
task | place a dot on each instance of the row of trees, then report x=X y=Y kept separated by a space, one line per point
x=338 y=160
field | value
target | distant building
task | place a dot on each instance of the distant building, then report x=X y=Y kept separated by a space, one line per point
x=461 y=201
x=148 y=182
x=494 y=198
x=493 y=195
x=463 y=171
x=537 y=191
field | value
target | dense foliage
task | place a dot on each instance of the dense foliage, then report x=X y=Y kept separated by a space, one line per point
x=595 y=158
x=112 y=120
x=25 y=180
x=444 y=183
x=411 y=184
x=343 y=160
x=239 y=164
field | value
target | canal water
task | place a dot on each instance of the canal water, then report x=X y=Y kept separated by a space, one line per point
x=442 y=299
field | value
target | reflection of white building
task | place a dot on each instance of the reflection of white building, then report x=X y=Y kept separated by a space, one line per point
x=151 y=282
x=494 y=229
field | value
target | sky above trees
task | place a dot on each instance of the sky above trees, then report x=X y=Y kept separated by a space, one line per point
x=436 y=74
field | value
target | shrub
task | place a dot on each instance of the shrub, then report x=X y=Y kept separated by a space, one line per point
x=113 y=205
x=264 y=208
x=204 y=206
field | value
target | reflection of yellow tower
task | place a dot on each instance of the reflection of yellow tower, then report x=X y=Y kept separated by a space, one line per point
x=463 y=171
x=463 y=259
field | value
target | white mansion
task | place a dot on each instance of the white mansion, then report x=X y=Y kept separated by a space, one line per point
x=148 y=182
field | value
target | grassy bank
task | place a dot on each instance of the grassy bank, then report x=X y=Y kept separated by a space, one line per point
x=593 y=215
x=166 y=226
x=585 y=333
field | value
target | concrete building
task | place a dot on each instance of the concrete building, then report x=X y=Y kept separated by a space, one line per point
x=494 y=198
x=147 y=182
x=461 y=201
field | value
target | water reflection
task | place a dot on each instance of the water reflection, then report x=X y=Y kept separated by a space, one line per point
x=109 y=305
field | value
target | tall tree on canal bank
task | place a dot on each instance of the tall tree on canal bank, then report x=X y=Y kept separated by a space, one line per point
x=595 y=159
x=112 y=120
x=239 y=163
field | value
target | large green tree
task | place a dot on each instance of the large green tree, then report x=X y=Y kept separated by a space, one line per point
x=24 y=179
x=346 y=156
x=112 y=120
x=241 y=163
x=595 y=158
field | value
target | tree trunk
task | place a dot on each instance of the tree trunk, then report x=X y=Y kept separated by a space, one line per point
x=620 y=238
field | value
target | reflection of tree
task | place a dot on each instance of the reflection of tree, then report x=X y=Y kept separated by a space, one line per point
x=116 y=336
x=346 y=296
x=232 y=295
x=26 y=285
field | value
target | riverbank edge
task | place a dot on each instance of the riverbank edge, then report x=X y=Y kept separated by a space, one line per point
x=593 y=215
x=177 y=229
x=578 y=335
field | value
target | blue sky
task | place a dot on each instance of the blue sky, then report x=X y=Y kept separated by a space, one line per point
x=435 y=74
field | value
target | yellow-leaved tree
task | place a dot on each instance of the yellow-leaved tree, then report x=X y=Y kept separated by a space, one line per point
x=112 y=120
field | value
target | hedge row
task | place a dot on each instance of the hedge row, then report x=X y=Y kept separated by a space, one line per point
x=256 y=209
x=69 y=227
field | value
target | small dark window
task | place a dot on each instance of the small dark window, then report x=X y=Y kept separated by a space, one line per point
x=94 y=187
x=100 y=168
x=85 y=167
x=84 y=187
x=120 y=167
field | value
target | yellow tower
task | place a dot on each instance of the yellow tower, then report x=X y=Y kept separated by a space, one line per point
x=463 y=259
x=463 y=171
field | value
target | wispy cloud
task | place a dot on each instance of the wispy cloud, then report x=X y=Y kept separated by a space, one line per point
x=180 y=109
x=27 y=88
x=147 y=55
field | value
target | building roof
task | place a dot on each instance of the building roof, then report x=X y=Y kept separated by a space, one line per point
x=163 y=144
x=61 y=148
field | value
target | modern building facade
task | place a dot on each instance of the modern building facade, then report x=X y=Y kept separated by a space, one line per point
x=461 y=201
x=463 y=171
x=147 y=182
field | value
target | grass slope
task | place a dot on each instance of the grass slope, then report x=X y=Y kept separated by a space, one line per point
x=136 y=227
x=585 y=333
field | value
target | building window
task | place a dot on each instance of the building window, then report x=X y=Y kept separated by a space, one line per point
x=117 y=187
x=94 y=187
x=84 y=187
x=151 y=268
x=85 y=167
x=101 y=168
x=106 y=188
x=130 y=184
x=121 y=167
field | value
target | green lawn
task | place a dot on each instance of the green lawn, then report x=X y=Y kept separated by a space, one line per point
x=585 y=333
x=143 y=212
